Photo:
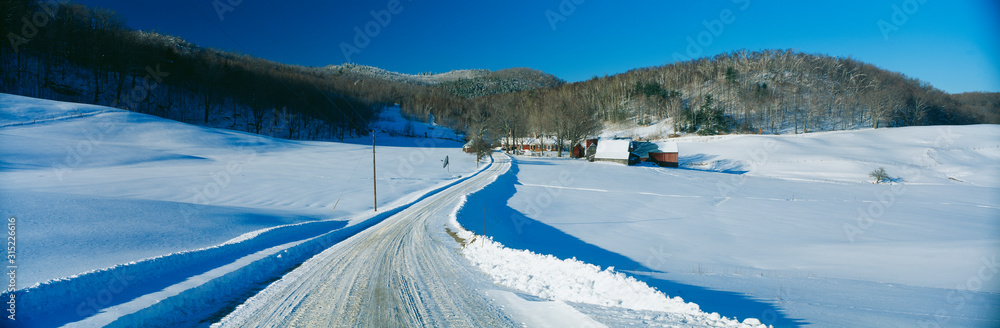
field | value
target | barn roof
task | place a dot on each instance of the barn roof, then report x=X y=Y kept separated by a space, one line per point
x=613 y=149
x=667 y=147
x=541 y=141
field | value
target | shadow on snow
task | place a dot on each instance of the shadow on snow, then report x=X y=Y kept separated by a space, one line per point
x=516 y=230
x=708 y=163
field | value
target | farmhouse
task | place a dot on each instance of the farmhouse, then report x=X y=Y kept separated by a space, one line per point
x=542 y=144
x=536 y=144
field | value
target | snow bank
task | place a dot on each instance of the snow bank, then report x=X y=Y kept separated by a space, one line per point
x=572 y=280
x=569 y=280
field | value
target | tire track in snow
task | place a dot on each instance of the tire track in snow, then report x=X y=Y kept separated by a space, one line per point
x=400 y=272
x=204 y=297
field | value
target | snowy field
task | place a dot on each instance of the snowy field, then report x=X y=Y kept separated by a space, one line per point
x=93 y=188
x=124 y=217
x=144 y=216
x=119 y=186
x=786 y=229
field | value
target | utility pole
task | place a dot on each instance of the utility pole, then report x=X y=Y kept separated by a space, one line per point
x=374 y=182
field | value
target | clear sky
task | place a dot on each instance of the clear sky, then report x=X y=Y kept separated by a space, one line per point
x=954 y=45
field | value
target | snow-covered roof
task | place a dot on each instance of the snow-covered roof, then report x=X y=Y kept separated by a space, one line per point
x=542 y=141
x=667 y=147
x=613 y=149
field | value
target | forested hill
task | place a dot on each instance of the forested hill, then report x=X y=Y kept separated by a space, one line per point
x=771 y=91
x=502 y=81
x=368 y=72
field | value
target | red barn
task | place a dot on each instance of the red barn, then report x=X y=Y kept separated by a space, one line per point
x=666 y=156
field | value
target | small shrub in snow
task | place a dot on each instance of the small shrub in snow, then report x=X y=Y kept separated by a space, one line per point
x=879 y=175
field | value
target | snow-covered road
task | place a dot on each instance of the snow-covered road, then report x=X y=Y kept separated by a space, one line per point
x=404 y=271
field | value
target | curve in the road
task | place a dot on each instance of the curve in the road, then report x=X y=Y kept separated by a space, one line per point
x=204 y=296
x=405 y=271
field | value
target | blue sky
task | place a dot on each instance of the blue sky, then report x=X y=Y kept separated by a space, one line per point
x=954 y=45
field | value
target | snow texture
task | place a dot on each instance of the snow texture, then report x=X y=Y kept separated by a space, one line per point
x=113 y=206
x=770 y=227
x=126 y=219
x=570 y=280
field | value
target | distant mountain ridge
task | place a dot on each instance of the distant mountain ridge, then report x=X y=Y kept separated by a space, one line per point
x=420 y=79
x=467 y=83
x=502 y=81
